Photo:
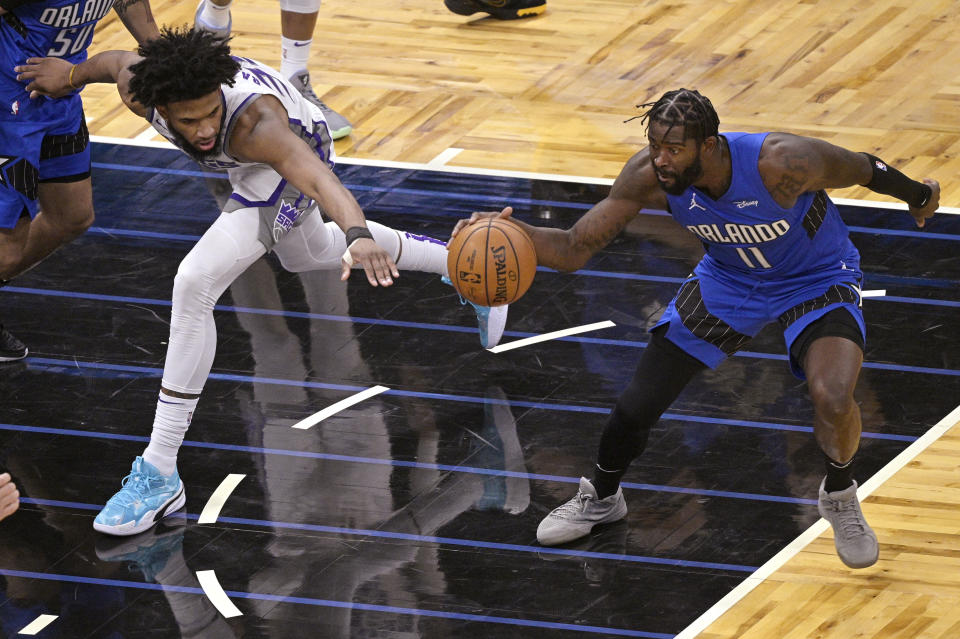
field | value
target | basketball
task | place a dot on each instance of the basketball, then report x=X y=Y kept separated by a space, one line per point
x=491 y=262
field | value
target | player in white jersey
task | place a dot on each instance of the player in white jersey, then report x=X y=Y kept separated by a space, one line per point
x=235 y=114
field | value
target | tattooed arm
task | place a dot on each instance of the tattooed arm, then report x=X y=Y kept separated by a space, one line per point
x=791 y=165
x=567 y=250
x=137 y=18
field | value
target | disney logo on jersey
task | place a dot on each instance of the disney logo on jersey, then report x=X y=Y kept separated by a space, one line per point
x=742 y=204
x=287 y=216
x=740 y=233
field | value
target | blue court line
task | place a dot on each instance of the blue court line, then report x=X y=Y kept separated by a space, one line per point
x=499 y=200
x=309 y=601
x=74 y=366
x=440 y=327
x=258 y=450
x=904 y=281
x=448 y=541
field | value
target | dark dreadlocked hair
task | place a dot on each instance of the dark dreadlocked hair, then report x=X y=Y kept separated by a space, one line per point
x=182 y=64
x=686 y=108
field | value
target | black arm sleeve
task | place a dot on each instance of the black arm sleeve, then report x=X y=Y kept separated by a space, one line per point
x=889 y=181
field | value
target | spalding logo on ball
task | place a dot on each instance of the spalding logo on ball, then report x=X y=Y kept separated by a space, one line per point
x=491 y=262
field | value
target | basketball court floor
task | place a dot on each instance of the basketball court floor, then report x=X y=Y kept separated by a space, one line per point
x=413 y=513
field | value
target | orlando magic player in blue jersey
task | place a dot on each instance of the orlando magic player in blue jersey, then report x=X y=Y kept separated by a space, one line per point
x=44 y=157
x=776 y=250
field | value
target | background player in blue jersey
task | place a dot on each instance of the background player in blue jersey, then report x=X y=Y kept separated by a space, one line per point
x=776 y=249
x=45 y=195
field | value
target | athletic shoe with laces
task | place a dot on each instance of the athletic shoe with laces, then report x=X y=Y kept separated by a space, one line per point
x=500 y=9
x=146 y=498
x=855 y=541
x=577 y=517
x=11 y=349
x=339 y=126
x=490 y=319
x=200 y=25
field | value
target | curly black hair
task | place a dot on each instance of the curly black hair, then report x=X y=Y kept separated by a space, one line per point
x=182 y=64
x=686 y=108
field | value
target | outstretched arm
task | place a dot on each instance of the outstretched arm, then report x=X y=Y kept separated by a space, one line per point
x=137 y=18
x=55 y=77
x=791 y=165
x=568 y=250
x=262 y=134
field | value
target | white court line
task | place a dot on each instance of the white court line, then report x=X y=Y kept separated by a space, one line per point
x=877 y=293
x=443 y=157
x=529 y=175
x=216 y=595
x=548 y=336
x=211 y=509
x=332 y=409
x=146 y=135
x=777 y=561
x=37 y=624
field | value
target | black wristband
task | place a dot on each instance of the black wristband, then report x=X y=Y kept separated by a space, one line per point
x=889 y=181
x=354 y=233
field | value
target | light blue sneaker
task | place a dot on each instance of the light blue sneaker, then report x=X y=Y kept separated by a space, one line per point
x=490 y=319
x=146 y=498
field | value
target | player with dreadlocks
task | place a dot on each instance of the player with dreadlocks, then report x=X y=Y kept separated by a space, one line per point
x=235 y=114
x=776 y=249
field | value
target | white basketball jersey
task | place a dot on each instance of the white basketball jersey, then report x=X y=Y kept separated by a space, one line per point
x=254 y=183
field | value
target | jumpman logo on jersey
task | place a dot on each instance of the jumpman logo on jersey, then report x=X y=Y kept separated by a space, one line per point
x=693 y=203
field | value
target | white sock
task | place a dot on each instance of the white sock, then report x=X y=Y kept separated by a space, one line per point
x=214 y=16
x=294 y=55
x=422 y=253
x=170 y=424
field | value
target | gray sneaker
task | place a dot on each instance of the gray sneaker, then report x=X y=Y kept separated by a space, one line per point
x=855 y=541
x=577 y=517
x=200 y=25
x=339 y=126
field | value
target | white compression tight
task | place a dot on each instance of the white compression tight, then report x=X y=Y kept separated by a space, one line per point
x=225 y=251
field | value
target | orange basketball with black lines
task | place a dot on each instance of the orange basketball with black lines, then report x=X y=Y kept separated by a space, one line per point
x=491 y=262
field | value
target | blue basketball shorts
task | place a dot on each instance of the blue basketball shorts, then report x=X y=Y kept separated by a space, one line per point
x=715 y=314
x=49 y=143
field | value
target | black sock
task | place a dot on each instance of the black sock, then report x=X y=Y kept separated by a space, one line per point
x=839 y=476
x=606 y=481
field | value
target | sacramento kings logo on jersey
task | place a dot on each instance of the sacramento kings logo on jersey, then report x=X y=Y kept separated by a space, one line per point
x=287 y=216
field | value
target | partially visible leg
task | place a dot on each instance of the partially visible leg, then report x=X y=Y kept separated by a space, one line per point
x=663 y=372
x=153 y=488
x=298 y=19
x=316 y=245
x=12 y=241
x=832 y=365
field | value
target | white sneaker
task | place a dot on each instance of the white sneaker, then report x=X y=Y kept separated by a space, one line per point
x=855 y=541
x=577 y=517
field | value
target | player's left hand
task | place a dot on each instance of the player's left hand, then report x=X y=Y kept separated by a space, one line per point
x=46 y=76
x=376 y=262
x=920 y=216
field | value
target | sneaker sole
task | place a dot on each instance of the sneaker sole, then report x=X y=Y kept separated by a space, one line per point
x=336 y=134
x=14 y=358
x=149 y=519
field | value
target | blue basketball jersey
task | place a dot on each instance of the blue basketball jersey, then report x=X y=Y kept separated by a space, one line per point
x=50 y=28
x=746 y=233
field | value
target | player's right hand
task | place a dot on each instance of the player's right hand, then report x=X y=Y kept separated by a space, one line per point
x=476 y=217
x=376 y=262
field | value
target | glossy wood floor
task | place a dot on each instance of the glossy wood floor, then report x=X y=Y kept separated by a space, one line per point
x=550 y=95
